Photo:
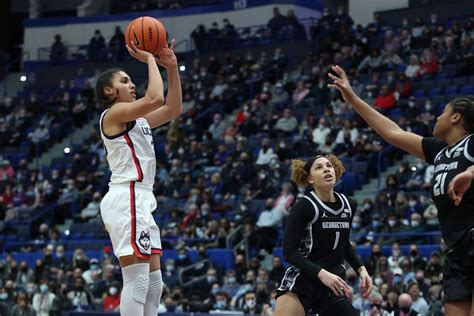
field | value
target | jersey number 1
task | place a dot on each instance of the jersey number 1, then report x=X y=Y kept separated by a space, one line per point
x=438 y=187
x=336 y=241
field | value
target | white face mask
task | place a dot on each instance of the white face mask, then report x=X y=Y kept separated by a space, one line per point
x=412 y=203
x=250 y=303
x=113 y=291
x=391 y=222
x=378 y=281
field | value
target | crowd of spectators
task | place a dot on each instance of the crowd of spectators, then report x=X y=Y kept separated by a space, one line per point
x=120 y=6
x=225 y=163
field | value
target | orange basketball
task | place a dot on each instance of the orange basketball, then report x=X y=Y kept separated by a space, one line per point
x=147 y=33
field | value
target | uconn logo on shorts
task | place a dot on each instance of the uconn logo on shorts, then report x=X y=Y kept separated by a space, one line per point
x=144 y=240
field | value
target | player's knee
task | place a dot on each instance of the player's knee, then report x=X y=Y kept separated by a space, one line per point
x=140 y=288
x=156 y=287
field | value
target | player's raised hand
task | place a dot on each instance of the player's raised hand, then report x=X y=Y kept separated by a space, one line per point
x=166 y=56
x=341 y=83
x=459 y=185
x=139 y=54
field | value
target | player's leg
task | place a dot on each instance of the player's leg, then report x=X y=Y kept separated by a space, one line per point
x=136 y=279
x=461 y=308
x=288 y=304
x=458 y=285
x=156 y=282
x=129 y=232
x=340 y=307
x=155 y=288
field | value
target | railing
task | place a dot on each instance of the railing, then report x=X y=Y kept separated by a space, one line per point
x=197 y=279
x=400 y=235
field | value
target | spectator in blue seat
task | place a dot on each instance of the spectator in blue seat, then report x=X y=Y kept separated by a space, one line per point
x=183 y=259
x=231 y=286
x=25 y=275
x=222 y=302
x=117 y=45
x=217 y=128
x=97 y=48
x=433 y=267
x=58 y=51
x=251 y=307
x=201 y=38
x=419 y=304
x=22 y=308
x=4 y=307
x=170 y=277
x=44 y=301
x=276 y=23
x=406 y=306
x=418 y=262
x=229 y=33
x=81 y=298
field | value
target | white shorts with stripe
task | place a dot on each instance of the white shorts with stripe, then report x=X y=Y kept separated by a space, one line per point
x=127 y=215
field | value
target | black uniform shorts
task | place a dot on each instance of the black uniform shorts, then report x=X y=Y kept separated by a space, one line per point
x=458 y=273
x=317 y=298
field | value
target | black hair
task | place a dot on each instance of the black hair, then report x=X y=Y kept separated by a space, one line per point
x=105 y=80
x=465 y=106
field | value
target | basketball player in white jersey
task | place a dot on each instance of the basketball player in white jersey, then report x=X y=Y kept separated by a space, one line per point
x=127 y=207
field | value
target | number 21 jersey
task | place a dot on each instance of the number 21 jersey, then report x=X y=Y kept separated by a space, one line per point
x=454 y=221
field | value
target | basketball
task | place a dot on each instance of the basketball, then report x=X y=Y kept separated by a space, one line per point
x=147 y=33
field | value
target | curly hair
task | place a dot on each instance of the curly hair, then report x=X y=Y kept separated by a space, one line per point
x=300 y=176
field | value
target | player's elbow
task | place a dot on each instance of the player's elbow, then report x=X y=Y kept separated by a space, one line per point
x=158 y=100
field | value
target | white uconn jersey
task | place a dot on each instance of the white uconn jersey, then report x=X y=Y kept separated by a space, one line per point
x=131 y=154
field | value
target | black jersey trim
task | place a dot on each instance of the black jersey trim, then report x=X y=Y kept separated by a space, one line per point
x=127 y=129
x=327 y=208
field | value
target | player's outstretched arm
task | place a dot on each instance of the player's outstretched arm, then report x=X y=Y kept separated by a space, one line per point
x=386 y=128
x=123 y=112
x=174 y=100
x=460 y=184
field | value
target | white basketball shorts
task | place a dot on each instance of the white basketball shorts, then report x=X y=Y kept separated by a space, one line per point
x=127 y=215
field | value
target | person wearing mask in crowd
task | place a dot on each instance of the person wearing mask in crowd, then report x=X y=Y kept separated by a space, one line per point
x=22 y=308
x=81 y=298
x=126 y=130
x=451 y=146
x=43 y=302
x=251 y=307
x=112 y=299
x=316 y=243
x=406 y=308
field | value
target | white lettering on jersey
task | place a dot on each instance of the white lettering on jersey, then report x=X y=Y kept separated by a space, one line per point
x=330 y=225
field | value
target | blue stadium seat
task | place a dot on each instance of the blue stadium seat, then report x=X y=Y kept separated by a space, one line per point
x=450 y=91
x=467 y=89
x=434 y=92
x=419 y=93
x=222 y=258
x=349 y=183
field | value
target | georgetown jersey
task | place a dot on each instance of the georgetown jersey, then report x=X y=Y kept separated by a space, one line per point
x=454 y=221
x=317 y=236
x=131 y=154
